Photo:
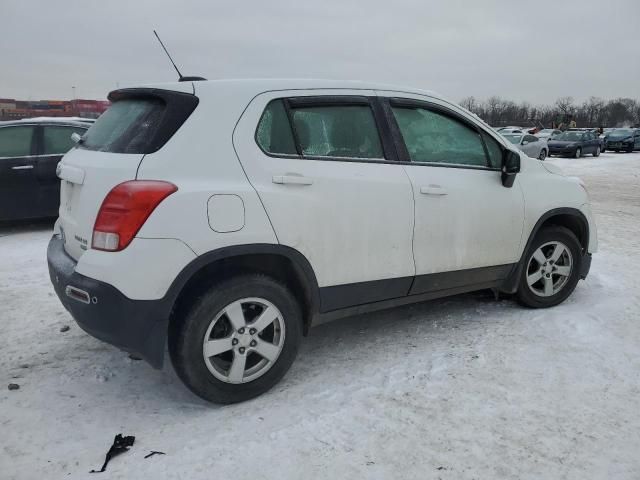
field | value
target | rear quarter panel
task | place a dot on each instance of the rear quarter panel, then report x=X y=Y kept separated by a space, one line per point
x=201 y=161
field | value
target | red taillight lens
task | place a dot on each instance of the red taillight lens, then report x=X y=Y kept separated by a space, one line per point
x=124 y=210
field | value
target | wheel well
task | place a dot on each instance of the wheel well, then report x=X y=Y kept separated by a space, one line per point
x=278 y=267
x=573 y=223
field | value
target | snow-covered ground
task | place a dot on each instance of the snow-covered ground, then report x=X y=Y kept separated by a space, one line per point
x=460 y=388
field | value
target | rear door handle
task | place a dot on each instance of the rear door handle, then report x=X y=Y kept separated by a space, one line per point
x=22 y=167
x=292 y=180
x=436 y=190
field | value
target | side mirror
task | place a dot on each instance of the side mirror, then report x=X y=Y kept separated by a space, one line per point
x=525 y=142
x=510 y=167
x=76 y=138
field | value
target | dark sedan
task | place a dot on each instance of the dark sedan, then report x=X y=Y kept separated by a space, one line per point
x=29 y=153
x=575 y=143
x=625 y=139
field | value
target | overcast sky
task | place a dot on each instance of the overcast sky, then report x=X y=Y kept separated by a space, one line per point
x=522 y=50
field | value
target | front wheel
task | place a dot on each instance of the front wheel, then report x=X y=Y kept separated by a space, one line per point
x=543 y=154
x=597 y=152
x=238 y=340
x=552 y=268
x=578 y=153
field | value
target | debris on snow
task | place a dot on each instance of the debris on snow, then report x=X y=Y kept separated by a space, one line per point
x=120 y=445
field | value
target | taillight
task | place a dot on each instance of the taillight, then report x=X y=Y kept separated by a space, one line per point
x=124 y=210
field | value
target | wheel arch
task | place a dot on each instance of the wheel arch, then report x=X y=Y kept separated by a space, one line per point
x=567 y=217
x=277 y=261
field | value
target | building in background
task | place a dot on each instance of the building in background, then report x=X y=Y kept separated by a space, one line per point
x=11 y=109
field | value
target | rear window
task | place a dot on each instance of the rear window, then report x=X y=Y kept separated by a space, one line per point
x=128 y=126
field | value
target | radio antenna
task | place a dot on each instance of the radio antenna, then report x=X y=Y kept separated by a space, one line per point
x=180 y=77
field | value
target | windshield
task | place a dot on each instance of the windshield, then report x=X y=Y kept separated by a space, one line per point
x=621 y=132
x=569 y=136
x=513 y=138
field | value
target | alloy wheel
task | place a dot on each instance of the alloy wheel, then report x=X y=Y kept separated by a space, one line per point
x=549 y=269
x=244 y=340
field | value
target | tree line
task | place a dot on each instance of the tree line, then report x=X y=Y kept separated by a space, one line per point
x=594 y=112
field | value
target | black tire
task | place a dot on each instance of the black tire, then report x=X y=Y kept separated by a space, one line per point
x=542 y=155
x=186 y=347
x=549 y=234
x=597 y=152
x=578 y=153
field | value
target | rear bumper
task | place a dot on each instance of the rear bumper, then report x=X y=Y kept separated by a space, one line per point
x=136 y=326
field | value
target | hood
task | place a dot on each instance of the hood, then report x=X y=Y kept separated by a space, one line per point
x=551 y=168
x=562 y=143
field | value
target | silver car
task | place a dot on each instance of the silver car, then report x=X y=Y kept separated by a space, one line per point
x=533 y=146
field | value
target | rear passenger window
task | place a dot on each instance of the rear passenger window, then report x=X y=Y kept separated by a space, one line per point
x=57 y=139
x=432 y=137
x=347 y=131
x=15 y=141
x=274 y=133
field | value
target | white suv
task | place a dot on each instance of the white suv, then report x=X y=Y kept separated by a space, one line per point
x=223 y=219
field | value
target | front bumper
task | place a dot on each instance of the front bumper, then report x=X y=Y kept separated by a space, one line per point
x=562 y=151
x=619 y=145
x=136 y=326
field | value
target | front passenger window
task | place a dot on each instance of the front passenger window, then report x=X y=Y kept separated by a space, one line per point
x=432 y=137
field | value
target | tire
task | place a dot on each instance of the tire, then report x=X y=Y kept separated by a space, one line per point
x=543 y=154
x=578 y=153
x=207 y=318
x=597 y=152
x=536 y=295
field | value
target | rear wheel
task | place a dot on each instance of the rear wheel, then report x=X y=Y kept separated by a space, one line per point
x=578 y=153
x=552 y=268
x=597 y=152
x=238 y=340
x=543 y=154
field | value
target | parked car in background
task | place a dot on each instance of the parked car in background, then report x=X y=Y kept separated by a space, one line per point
x=531 y=145
x=623 y=139
x=548 y=133
x=29 y=153
x=575 y=143
x=223 y=219
x=504 y=130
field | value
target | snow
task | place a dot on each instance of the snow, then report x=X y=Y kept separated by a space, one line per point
x=460 y=388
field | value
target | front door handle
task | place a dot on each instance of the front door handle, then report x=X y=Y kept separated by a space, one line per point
x=22 y=167
x=292 y=180
x=436 y=190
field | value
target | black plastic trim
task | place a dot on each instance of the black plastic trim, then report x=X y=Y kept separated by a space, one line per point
x=459 y=278
x=351 y=294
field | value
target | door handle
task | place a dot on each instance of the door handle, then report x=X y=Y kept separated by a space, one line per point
x=22 y=167
x=292 y=180
x=436 y=190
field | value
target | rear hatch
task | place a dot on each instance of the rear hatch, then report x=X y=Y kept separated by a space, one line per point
x=139 y=121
